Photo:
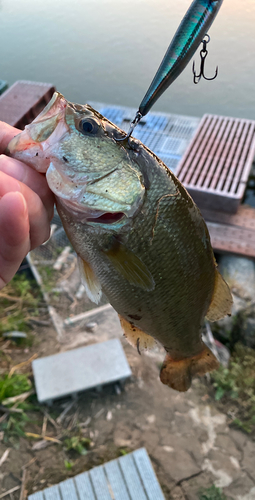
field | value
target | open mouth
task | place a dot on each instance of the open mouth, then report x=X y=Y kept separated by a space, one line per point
x=107 y=218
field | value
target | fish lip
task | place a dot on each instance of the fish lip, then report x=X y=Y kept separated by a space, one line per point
x=85 y=214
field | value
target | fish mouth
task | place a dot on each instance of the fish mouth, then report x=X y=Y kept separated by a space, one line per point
x=47 y=129
x=107 y=218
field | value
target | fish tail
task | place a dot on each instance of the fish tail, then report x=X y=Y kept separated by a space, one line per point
x=178 y=374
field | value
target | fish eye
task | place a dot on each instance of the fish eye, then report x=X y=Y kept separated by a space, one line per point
x=88 y=126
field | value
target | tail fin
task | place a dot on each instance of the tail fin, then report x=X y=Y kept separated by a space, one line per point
x=178 y=374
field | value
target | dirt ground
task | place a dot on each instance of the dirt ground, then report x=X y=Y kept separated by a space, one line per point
x=189 y=441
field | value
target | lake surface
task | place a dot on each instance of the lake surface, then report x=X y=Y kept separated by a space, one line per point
x=109 y=50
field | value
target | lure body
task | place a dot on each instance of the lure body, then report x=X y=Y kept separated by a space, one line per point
x=189 y=35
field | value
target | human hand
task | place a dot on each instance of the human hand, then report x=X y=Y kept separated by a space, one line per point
x=26 y=208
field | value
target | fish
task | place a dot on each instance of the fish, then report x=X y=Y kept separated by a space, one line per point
x=139 y=237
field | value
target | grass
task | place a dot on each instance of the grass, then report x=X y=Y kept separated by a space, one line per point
x=212 y=493
x=16 y=411
x=19 y=301
x=235 y=387
x=13 y=386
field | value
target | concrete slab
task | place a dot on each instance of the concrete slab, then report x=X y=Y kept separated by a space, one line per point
x=130 y=477
x=80 y=369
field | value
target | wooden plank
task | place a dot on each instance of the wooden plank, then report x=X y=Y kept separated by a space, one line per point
x=84 y=487
x=23 y=101
x=244 y=218
x=68 y=490
x=232 y=239
x=51 y=493
x=116 y=480
x=148 y=475
x=132 y=478
x=101 y=486
x=36 y=496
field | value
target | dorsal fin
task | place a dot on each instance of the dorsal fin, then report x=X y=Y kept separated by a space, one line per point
x=221 y=304
x=90 y=281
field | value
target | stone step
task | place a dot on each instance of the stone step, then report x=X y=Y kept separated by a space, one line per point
x=70 y=372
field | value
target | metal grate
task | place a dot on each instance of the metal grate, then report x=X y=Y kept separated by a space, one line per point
x=167 y=135
x=216 y=165
x=130 y=477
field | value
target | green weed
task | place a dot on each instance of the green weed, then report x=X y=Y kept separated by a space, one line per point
x=212 y=493
x=77 y=443
x=68 y=464
x=236 y=384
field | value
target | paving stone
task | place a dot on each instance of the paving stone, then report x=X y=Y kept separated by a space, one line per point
x=249 y=458
x=227 y=445
x=221 y=467
x=179 y=465
x=239 y=488
x=238 y=437
x=80 y=369
x=192 y=487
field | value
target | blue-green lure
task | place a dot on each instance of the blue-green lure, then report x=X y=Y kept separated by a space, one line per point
x=186 y=40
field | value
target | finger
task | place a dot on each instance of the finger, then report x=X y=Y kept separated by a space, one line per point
x=38 y=216
x=7 y=132
x=34 y=180
x=14 y=231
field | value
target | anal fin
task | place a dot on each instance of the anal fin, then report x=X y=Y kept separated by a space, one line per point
x=89 y=281
x=136 y=337
x=178 y=374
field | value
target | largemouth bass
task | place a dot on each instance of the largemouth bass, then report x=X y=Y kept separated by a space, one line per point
x=138 y=234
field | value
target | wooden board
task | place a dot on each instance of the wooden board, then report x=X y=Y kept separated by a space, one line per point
x=233 y=233
x=130 y=477
x=23 y=101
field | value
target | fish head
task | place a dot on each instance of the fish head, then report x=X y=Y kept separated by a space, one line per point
x=90 y=172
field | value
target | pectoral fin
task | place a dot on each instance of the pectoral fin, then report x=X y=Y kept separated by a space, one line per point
x=178 y=374
x=130 y=267
x=222 y=301
x=136 y=337
x=90 y=281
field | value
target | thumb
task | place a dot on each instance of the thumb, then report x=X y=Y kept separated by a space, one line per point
x=14 y=235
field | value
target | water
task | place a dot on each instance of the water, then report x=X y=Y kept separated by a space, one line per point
x=109 y=50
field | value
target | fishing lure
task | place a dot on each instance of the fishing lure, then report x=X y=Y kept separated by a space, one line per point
x=184 y=44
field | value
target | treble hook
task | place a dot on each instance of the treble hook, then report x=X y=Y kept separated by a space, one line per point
x=132 y=126
x=203 y=54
